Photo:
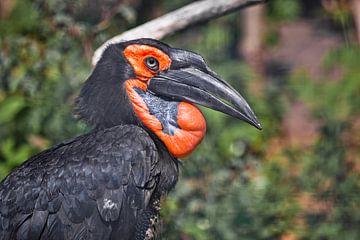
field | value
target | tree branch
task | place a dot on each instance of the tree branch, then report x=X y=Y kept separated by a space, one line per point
x=177 y=20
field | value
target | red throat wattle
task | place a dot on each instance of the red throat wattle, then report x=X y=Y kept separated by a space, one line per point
x=191 y=122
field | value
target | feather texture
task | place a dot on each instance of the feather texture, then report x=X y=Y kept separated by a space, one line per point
x=98 y=186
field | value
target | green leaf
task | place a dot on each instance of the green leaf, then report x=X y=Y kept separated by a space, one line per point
x=10 y=107
x=14 y=156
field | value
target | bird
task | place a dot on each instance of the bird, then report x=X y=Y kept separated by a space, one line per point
x=141 y=101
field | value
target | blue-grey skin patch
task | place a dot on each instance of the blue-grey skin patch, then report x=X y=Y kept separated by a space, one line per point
x=165 y=111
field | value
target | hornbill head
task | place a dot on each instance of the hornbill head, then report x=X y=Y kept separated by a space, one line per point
x=150 y=84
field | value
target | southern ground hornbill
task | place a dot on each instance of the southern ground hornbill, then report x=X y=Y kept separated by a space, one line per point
x=107 y=184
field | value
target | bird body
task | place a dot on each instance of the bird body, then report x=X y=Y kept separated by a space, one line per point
x=77 y=189
x=107 y=184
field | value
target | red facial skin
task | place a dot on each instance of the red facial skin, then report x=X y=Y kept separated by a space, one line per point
x=190 y=119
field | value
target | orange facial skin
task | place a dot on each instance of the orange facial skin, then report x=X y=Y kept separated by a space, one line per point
x=136 y=54
x=192 y=125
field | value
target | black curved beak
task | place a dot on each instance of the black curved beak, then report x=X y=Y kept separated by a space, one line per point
x=200 y=85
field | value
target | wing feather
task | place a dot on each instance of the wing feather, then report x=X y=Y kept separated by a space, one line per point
x=81 y=189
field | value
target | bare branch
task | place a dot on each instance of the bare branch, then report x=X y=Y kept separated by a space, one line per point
x=179 y=19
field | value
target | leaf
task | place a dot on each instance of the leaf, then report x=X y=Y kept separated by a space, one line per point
x=10 y=107
x=4 y=171
x=14 y=156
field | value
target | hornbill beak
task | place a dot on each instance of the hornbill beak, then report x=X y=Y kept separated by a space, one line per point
x=198 y=84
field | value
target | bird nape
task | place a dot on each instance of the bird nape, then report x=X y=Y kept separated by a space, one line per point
x=107 y=184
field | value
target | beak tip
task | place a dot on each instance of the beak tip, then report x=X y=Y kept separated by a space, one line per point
x=258 y=126
x=255 y=123
x=252 y=119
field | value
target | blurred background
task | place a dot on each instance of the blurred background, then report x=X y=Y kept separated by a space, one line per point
x=296 y=61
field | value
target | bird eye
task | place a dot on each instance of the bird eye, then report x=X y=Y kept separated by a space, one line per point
x=152 y=63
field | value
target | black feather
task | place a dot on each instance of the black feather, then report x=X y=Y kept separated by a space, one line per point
x=105 y=195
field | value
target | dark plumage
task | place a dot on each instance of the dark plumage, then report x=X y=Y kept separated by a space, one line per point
x=107 y=184
x=96 y=186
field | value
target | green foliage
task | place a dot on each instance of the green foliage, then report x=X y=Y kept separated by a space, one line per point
x=9 y=107
x=233 y=186
x=24 y=19
x=37 y=74
x=284 y=10
x=336 y=104
x=335 y=100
